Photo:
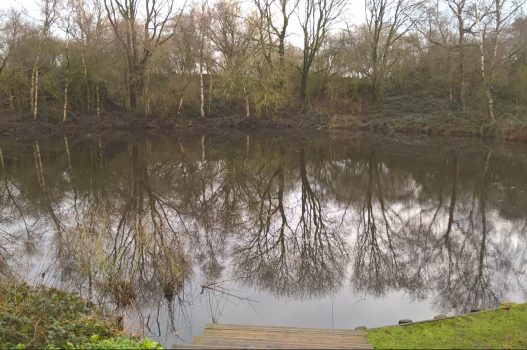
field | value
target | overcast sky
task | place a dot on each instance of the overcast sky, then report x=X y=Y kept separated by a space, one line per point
x=354 y=13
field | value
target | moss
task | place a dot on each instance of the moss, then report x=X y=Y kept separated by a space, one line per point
x=502 y=328
x=48 y=318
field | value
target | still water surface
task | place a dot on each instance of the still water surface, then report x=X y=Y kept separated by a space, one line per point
x=309 y=230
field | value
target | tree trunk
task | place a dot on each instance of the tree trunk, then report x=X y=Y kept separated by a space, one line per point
x=38 y=167
x=11 y=103
x=136 y=86
x=35 y=91
x=209 y=97
x=461 y=44
x=485 y=73
x=303 y=85
x=66 y=83
x=490 y=104
x=2 y=159
x=201 y=92
x=98 y=100
x=247 y=145
x=202 y=147
x=86 y=81
x=180 y=104
x=247 y=105
x=146 y=94
x=65 y=108
x=68 y=154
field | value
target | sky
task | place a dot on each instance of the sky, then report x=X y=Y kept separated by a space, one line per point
x=354 y=13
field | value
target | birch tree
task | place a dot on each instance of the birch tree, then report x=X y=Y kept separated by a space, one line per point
x=49 y=10
x=491 y=19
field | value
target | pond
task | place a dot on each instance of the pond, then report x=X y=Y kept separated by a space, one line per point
x=328 y=230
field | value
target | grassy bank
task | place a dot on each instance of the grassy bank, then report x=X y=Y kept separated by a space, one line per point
x=504 y=328
x=429 y=115
x=400 y=114
x=47 y=318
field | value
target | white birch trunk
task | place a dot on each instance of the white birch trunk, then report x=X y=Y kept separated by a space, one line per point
x=180 y=104
x=98 y=100
x=483 y=68
x=202 y=147
x=65 y=108
x=68 y=154
x=247 y=105
x=2 y=159
x=201 y=92
x=35 y=97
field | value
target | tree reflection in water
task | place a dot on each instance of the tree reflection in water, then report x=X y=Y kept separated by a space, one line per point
x=154 y=226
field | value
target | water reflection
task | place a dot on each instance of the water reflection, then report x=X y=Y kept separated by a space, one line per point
x=154 y=226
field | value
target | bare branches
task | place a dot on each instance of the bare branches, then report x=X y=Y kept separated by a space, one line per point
x=125 y=19
x=316 y=19
x=387 y=22
x=10 y=28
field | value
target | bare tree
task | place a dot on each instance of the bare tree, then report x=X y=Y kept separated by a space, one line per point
x=491 y=20
x=157 y=27
x=458 y=10
x=181 y=57
x=387 y=21
x=266 y=11
x=316 y=20
x=232 y=37
x=9 y=31
x=49 y=10
x=439 y=28
x=88 y=28
x=203 y=26
x=10 y=28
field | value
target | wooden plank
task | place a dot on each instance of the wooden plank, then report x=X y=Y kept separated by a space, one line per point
x=279 y=345
x=298 y=337
x=195 y=346
x=270 y=337
x=285 y=331
x=297 y=329
x=282 y=344
x=277 y=335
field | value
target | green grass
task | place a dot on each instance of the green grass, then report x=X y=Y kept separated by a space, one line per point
x=504 y=328
x=48 y=318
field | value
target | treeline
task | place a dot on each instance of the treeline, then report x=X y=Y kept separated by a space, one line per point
x=165 y=58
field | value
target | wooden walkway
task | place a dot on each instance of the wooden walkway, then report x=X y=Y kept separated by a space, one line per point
x=221 y=336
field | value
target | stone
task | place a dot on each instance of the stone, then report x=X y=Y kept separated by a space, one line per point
x=475 y=310
x=405 y=321
x=440 y=317
x=361 y=328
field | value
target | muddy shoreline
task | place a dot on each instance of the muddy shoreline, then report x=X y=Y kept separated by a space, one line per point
x=25 y=127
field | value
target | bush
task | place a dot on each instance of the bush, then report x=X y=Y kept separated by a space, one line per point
x=48 y=318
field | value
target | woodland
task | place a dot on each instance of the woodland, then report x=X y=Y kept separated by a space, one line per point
x=457 y=66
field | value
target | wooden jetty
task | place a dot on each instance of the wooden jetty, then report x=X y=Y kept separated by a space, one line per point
x=222 y=336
